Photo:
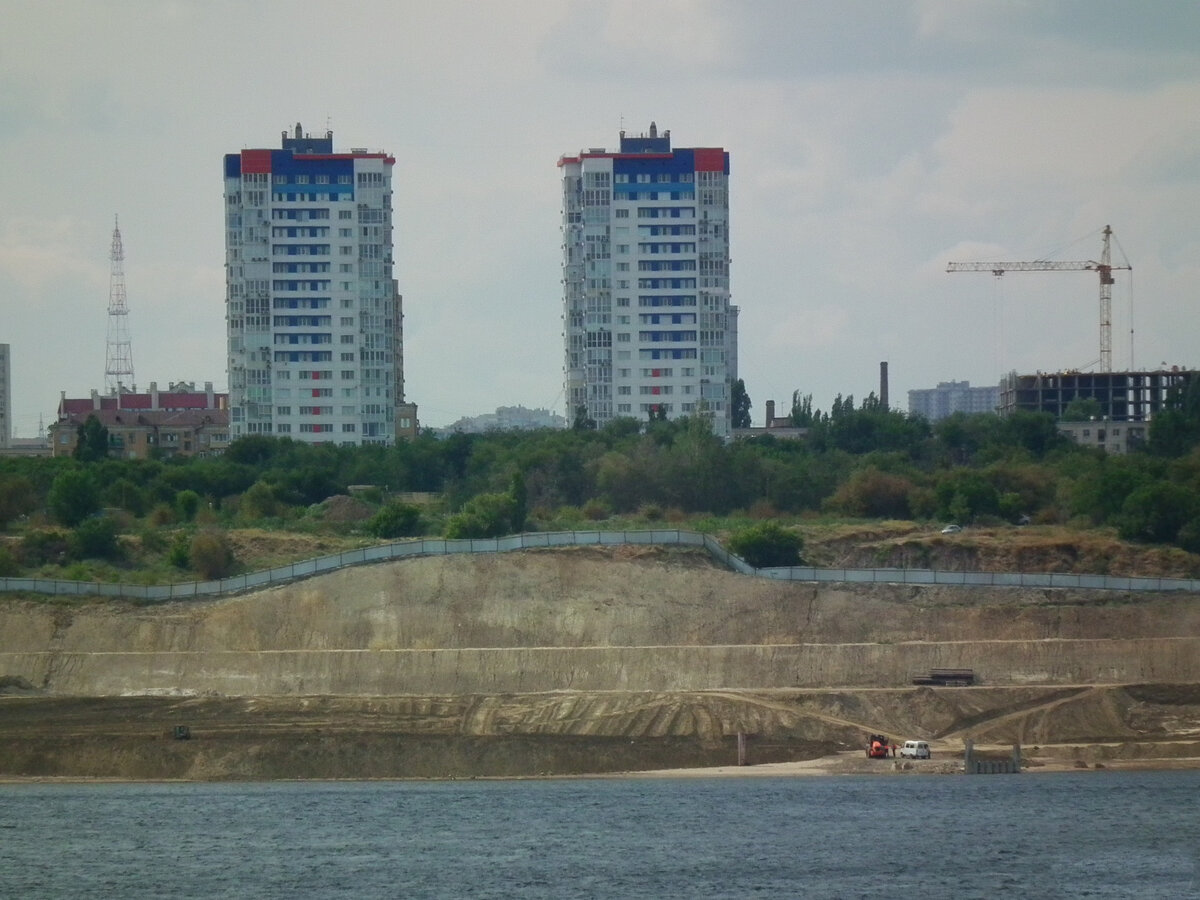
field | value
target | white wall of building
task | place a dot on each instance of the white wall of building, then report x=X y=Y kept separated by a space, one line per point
x=313 y=308
x=646 y=304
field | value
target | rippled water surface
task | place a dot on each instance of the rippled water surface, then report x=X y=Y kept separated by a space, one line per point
x=1093 y=834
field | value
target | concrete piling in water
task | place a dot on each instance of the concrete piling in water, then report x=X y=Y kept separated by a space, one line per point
x=973 y=766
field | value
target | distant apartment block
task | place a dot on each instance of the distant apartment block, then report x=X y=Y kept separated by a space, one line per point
x=508 y=418
x=180 y=421
x=951 y=397
x=5 y=397
x=314 y=314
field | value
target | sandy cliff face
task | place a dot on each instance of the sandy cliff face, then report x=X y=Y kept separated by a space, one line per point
x=592 y=620
x=601 y=645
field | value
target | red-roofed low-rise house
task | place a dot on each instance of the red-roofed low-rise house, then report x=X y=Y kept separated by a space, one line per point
x=179 y=421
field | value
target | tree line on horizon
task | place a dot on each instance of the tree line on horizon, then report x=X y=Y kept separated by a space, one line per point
x=857 y=460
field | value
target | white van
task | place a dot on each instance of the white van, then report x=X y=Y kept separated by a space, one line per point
x=915 y=750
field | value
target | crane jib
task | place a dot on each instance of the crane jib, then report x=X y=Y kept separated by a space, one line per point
x=1104 y=268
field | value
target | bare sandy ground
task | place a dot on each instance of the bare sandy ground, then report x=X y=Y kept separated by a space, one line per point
x=853 y=762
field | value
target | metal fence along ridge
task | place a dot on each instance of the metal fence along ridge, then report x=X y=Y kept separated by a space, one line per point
x=545 y=540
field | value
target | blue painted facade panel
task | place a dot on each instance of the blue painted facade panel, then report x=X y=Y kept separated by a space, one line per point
x=678 y=162
x=284 y=163
x=674 y=187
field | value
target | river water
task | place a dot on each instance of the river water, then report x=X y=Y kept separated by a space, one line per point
x=1087 y=834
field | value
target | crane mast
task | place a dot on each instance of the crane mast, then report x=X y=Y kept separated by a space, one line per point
x=1104 y=268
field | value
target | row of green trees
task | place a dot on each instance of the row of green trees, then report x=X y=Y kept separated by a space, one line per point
x=859 y=460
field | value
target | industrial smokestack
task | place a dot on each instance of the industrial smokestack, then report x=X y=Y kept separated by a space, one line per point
x=883 y=385
x=770 y=412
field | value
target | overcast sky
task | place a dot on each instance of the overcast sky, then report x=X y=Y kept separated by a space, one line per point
x=870 y=143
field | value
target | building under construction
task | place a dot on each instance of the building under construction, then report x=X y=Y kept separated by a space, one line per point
x=1122 y=396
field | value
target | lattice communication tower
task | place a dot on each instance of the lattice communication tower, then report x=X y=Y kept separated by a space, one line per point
x=118 y=361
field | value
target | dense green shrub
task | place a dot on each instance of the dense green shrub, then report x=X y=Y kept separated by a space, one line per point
x=1189 y=536
x=651 y=512
x=95 y=538
x=261 y=501
x=768 y=544
x=73 y=497
x=1157 y=512
x=487 y=515
x=871 y=493
x=39 y=548
x=396 y=520
x=10 y=566
x=211 y=555
x=152 y=540
x=17 y=497
x=123 y=493
x=179 y=555
x=186 y=504
x=596 y=510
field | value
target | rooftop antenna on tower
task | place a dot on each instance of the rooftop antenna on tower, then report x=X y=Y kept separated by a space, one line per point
x=118 y=362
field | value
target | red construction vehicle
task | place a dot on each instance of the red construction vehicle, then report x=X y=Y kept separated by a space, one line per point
x=877 y=746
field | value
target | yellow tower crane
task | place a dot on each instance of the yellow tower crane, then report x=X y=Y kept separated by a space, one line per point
x=1104 y=267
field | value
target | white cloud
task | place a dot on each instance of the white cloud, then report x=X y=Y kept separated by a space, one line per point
x=687 y=32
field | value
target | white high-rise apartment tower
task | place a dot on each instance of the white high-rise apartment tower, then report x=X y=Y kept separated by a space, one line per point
x=314 y=314
x=648 y=323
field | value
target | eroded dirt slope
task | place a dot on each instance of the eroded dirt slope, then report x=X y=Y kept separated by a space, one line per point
x=612 y=617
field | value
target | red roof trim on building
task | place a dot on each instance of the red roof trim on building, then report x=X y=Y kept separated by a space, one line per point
x=256 y=162
x=167 y=401
x=709 y=159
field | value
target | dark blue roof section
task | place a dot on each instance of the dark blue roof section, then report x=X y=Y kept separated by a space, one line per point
x=678 y=162
x=233 y=165
x=646 y=144
x=283 y=162
x=309 y=144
